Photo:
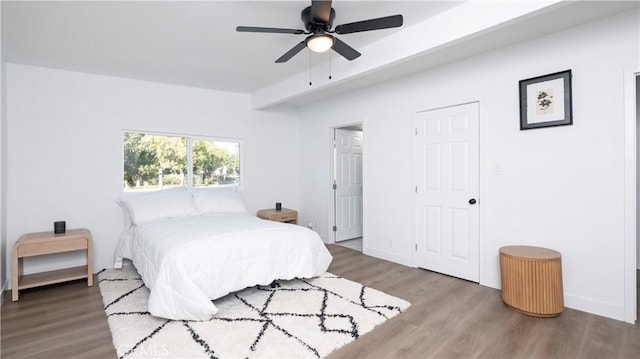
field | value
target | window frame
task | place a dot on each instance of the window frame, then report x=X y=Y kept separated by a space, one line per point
x=190 y=139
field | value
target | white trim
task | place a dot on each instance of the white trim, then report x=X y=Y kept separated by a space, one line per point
x=388 y=256
x=179 y=134
x=481 y=100
x=482 y=177
x=597 y=307
x=331 y=237
x=630 y=195
x=190 y=163
x=364 y=187
x=414 y=241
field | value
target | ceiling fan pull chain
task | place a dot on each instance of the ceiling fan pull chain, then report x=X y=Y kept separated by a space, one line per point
x=330 y=59
x=310 y=83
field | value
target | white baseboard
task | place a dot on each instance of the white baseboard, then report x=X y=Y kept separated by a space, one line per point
x=392 y=257
x=583 y=304
x=605 y=309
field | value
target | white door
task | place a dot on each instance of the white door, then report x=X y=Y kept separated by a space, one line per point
x=446 y=154
x=348 y=184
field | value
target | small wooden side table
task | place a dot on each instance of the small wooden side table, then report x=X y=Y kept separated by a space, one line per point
x=285 y=215
x=43 y=243
x=532 y=280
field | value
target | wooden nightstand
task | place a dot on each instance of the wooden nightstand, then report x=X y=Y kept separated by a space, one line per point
x=285 y=215
x=43 y=243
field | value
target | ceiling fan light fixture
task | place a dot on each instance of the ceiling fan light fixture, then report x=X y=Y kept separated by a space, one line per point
x=320 y=43
x=318 y=21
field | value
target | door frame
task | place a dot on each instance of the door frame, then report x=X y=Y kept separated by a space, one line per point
x=630 y=199
x=451 y=101
x=332 y=199
x=416 y=262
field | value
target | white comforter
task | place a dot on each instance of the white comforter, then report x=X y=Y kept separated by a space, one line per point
x=190 y=261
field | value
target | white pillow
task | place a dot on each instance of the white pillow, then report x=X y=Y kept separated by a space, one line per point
x=219 y=200
x=128 y=220
x=151 y=206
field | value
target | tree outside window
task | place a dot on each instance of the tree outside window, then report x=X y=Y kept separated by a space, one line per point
x=153 y=162
x=215 y=163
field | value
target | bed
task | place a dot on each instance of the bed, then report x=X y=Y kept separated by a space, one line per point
x=191 y=247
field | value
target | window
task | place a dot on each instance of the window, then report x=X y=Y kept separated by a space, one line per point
x=215 y=163
x=157 y=161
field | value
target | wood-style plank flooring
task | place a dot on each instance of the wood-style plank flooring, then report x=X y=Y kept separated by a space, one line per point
x=448 y=317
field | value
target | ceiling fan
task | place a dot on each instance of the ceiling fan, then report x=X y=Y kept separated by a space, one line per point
x=318 y=20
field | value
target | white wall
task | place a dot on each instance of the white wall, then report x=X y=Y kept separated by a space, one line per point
x=65 y=148
x=3 y=172
x=556 y=187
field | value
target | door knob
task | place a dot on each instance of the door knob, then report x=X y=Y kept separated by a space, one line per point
x=472 y=201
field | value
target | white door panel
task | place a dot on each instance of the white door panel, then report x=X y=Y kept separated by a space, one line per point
x=446 y=154
x=348 y=184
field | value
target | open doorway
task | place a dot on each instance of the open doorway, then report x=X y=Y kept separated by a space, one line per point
x=347 y=186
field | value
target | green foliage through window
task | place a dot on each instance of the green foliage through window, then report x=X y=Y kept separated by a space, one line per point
x=153 y=161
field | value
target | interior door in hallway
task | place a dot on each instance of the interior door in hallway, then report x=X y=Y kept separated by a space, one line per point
x=348 y=184
x=446 y=155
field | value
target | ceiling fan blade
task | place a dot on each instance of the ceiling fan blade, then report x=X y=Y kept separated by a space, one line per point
x=368 y=25
x=345 y=50
x=321 y=11
x=273 y=30
x=289 y=54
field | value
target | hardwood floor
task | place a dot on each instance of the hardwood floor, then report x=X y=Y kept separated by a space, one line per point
x=448 y=317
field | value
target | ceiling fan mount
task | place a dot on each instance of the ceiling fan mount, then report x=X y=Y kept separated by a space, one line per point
x=314 y=27
x=318 y=21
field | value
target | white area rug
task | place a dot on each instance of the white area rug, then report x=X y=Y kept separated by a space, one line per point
x=296 y=319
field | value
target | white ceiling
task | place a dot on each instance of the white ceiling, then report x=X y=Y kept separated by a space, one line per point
x=182 y=42
x=195 y=43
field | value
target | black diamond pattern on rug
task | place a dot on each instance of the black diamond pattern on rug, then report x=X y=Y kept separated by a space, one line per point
x=300 y=318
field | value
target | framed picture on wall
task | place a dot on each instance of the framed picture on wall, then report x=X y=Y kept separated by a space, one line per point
x=546 y=101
